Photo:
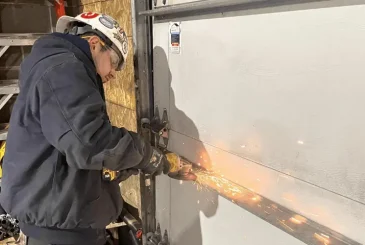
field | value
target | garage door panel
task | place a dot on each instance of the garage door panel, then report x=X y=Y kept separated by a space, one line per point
x=281 y=89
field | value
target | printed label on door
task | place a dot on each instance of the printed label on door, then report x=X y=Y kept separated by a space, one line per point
x=175 y=38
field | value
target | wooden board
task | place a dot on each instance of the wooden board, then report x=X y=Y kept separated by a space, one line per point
x=8 y=241
x=120 y=93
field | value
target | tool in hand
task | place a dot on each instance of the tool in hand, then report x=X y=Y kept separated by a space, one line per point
x=179 y=168
x=109 y=175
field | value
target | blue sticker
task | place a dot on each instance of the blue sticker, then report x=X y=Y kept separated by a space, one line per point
x=106 y=22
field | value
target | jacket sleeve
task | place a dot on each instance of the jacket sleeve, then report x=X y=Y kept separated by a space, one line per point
x=73 y=119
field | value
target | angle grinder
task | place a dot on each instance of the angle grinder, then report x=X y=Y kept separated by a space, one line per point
x=179 y=168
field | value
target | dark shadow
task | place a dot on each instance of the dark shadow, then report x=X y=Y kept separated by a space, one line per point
x=256 y=7
x=187 y=202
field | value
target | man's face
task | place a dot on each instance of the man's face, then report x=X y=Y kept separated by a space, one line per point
x=106 y=60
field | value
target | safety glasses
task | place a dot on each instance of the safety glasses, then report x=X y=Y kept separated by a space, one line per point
x=114 y=59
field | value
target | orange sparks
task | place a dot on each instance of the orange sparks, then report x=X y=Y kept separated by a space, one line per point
x=219 y=183
x=282 y=222
x=322 y=238
x=256 y=198
x=297 y=219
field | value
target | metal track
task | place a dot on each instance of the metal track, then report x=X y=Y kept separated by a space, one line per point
x=298 y=226
x=9 y=87
x=195 y=6
x=26 y=39
x=199 y=9
x=144 y=94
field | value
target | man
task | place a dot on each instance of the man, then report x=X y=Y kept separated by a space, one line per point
x=60 y=137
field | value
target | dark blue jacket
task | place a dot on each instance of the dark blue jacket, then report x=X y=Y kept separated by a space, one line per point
x=59 y=140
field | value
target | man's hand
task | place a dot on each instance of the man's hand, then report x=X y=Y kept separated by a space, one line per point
x=157 y=163
x=125 y=174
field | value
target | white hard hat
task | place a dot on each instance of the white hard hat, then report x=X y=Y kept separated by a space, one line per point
x=102 y=25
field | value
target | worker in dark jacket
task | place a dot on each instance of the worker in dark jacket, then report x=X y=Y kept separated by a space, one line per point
x=60 y=137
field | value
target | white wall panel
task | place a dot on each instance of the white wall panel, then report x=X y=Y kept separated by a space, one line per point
x=277 y=101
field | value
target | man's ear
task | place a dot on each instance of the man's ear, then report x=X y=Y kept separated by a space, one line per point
x=93 y=41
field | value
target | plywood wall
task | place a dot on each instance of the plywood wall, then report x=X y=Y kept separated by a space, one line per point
x=120 y=93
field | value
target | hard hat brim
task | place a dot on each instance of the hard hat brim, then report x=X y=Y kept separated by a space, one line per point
x=63 y=22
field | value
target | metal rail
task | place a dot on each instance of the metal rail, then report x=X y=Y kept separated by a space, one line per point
x=3 y=134
x=196 y=6
x=298 y=226
x=3 y=50
x=26 y=39
x=4 y=100
x=9 y=87
x=144 y=94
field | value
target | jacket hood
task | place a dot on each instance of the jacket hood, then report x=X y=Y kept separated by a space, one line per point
x=59 y=43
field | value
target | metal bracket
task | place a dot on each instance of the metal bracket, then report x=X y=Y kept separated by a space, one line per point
x=158 y=127
x=157 y=238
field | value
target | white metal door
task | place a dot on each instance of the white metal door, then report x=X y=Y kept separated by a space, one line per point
x=274 y=100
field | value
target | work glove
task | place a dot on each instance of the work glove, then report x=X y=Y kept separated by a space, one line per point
x=125 y=174
x=156 y=162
